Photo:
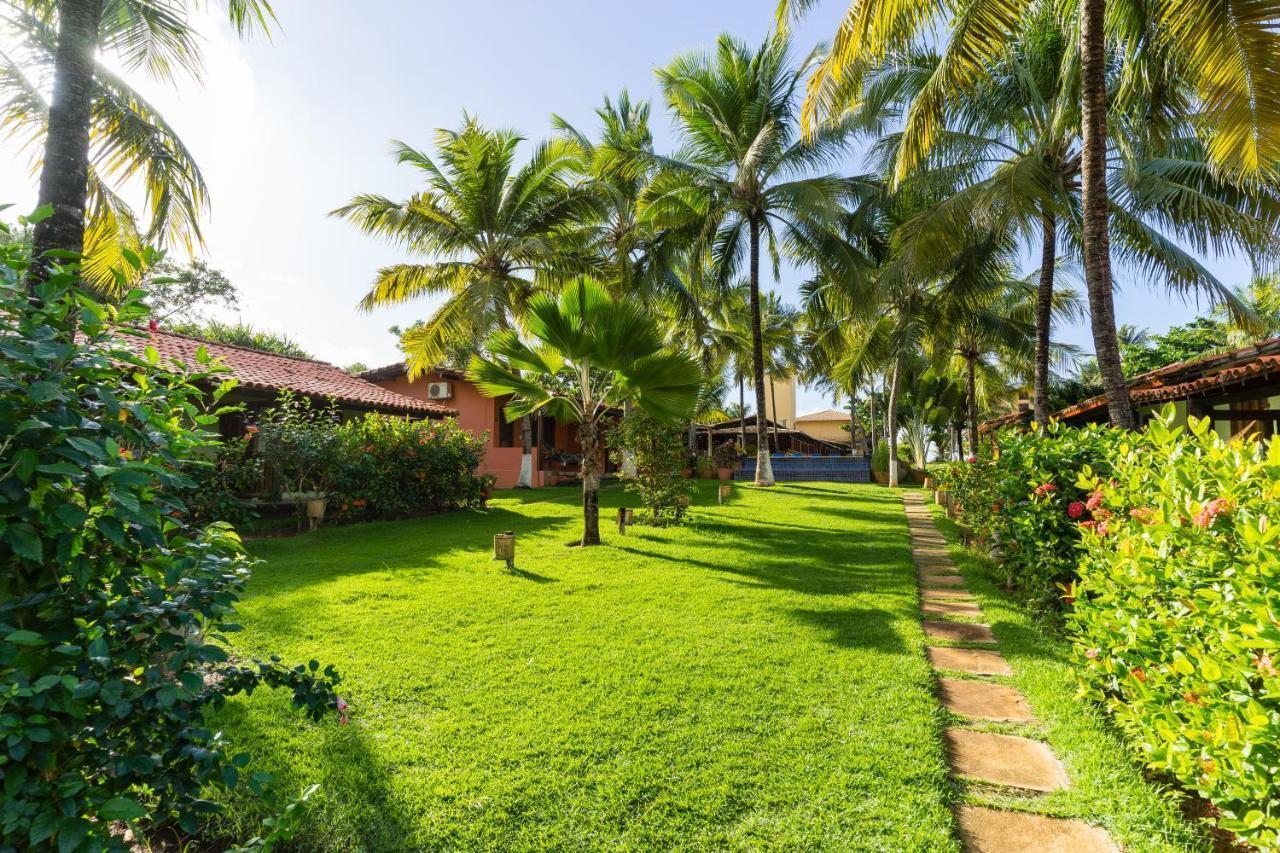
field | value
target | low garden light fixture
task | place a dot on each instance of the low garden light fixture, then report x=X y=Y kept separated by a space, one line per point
x=625 y=516
x=504 y=547
x=726 y=491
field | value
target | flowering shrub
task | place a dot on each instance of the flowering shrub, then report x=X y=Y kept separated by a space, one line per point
x=389 y=467
x=1177 y=615
x=219 y=488
x=113 y=605
x=1026 y=498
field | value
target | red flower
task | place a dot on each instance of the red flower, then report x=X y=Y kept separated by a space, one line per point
x=1088 y=525
x=1044 y=489
x=1211 y=510
x=359 y=501
x=1138 y=673
x=1075 y=509
x=995 y=507
x=1094 y=501
x=971 y=459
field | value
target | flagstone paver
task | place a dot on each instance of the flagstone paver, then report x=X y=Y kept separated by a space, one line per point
x=984 y=701
x=1017 y=762
x=996 y=759
x=951 y=608
x=942 y=580
x=962 y=632
x=947 y=595
x=989 y=831
x=972 y=661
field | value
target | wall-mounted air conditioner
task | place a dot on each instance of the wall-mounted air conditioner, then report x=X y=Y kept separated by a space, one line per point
x=439 y=391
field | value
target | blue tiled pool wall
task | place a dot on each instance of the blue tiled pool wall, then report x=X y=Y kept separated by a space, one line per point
x=840 y=469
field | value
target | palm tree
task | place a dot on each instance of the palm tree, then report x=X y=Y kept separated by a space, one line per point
x=1011 y=152
x=1225 y=57
x=96 y=129
x=780 y=331
x=742 y=174
x=589 y=353
x=487 y=233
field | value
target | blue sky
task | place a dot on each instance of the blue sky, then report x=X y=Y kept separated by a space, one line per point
x=286 y=130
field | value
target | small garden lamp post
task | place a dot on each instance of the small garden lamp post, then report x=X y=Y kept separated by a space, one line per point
x=625 y=516
x=504 y=547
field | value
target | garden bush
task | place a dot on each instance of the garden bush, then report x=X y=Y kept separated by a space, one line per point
x=390 y=467
x=220 y=487
x=725 y=455
x=658 y=453
x=113 y=605
x=1024 y=498
x=1177 y=614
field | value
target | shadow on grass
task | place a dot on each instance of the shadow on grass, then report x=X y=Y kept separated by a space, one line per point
x=854 y=628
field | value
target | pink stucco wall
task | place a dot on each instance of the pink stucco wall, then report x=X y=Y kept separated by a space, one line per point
x=476 y=414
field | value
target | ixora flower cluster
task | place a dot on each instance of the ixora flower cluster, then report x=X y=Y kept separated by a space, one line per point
x=1174 y=619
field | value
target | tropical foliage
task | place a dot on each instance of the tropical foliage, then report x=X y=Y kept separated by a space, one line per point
x=658 y=454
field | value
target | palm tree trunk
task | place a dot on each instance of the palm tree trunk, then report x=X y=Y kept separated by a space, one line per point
x=64 y=177
x=871 y=436
x=742 y=409
x=971 y=396
x=1044 y=318
x=1093 y=205
x=590 y=483
x=853 y=423
x=764 y=469
x=891 y=422
x=628 y=455
x=773 y=402
x=525 y=479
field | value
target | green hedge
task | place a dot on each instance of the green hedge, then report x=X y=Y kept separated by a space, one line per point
x=1177 y=617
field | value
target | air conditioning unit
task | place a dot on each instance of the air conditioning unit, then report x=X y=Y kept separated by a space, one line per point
x=439 y=391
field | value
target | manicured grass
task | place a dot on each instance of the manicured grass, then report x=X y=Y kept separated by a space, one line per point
x=1107 y=788
x=753 y=680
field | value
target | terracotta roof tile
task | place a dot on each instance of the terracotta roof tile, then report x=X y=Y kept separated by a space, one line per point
x=264 y=371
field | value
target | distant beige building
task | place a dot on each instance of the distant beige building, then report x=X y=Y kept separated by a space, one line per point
x=784 y=392
x=831 y=425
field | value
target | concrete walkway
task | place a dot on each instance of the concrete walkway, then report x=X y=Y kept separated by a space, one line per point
x=966 y=656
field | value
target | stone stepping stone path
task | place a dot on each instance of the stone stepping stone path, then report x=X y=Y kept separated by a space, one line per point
x=1001 y=760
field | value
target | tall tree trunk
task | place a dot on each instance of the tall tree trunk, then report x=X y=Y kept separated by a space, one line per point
x=64 y=177
x=872 y=435
x=1093 y=207
x=853 y=423
x=971 y=397
x=764 y=467
x=628 y=455
x=957 y=449
x=590 y=483
x=1044 y=318
x=773 y=403
x=742 y=410
x=891 y=423
x=525 y=480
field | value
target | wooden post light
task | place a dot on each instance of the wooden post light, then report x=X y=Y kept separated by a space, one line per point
x=504 y=547
x=725 y=492
x=625 y=517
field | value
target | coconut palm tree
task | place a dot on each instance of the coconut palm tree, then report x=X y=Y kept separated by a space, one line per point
x=1224 y=56
x=488 y=235
x=586 y=355
x=1011 y=154
x=96 y=131
x=742 y=175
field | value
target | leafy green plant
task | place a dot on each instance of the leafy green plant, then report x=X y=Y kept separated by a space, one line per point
x=301 y=445
x=725 y=455
x=1175 y=621
x=658 y=453
x=113 y=605
x=880 y=458
x=219 y=490
x=706 y=467
x=389 y=467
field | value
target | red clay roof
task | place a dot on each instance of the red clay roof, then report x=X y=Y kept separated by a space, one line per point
x=265 y=371
x=1178 y=381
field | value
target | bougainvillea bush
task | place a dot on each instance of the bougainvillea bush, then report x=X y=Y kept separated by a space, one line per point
x=113 y=605
x=1177 y=614
x=390 y=467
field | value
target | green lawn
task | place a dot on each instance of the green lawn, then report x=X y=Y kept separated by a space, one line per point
x=753 y=680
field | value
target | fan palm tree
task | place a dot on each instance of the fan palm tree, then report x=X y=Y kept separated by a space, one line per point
x=488 y=234
x=742 y=175
x=1224 y=55
x=96 y=131
x=1011 y=154
x=588 y=354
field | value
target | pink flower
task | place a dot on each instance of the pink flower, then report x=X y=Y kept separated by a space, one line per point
x=1075 y=509
x=1102 y=528
x=1092 y=653
x=1094 y=501
x=1088 y=525
x=1211 y=510
x=971 y=459
x=1044 y=489
x=1142 y=514
x=342 y=706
